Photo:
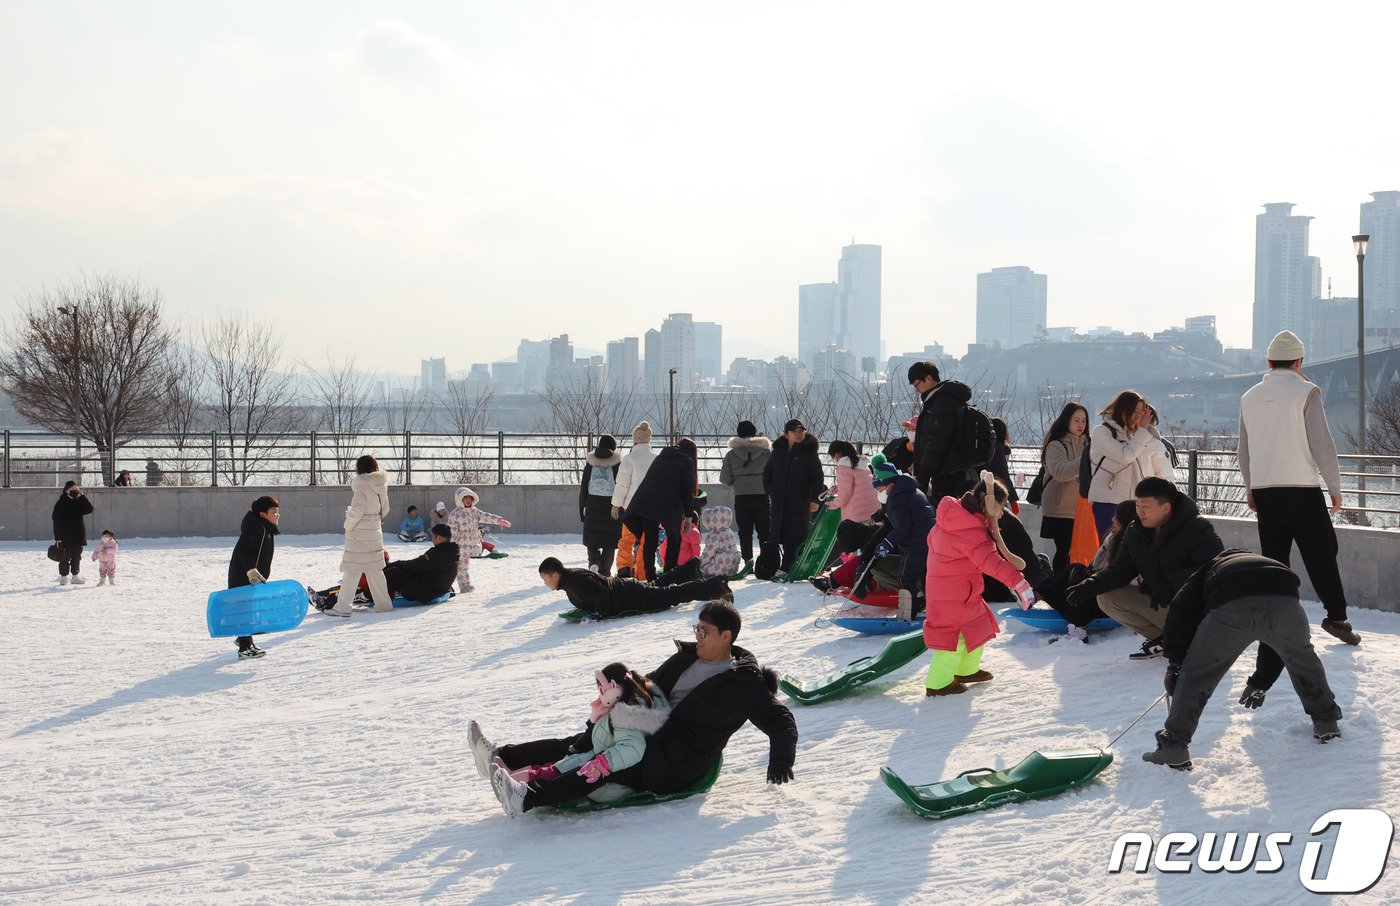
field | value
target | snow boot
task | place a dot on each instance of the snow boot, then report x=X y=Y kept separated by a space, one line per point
x=1324 y=730
x=779 y=576
x=62 y=580
x=79 y=580
x=1150 y=649
x=1341 y=629
x=101 y=581
x=510 y=792
x=624 y=572
x=906 y=604
x=483 y=750
x=336 y=611
x=1169 y=752
x=1077 y=632
x=112 y=580
x=953 y=688
x=981 y=676
x=821 y=583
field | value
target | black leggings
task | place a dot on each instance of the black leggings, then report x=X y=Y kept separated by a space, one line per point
x=566 y=787
x=651 y=540
x=1059 y=530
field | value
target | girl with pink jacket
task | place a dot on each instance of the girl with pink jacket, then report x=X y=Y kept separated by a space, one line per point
x=963 y=545
x=855 y=495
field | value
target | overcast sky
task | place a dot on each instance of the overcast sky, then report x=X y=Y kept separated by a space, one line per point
x=452 y=177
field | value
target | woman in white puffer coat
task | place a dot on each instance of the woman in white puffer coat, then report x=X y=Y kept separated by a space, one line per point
x=364 y=537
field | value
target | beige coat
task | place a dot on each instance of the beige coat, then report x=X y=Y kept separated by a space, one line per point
x=364 y=533
x=1060 y=495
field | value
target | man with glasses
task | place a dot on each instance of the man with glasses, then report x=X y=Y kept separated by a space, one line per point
x=713 y=687
x=611 y=595
x=939 y=466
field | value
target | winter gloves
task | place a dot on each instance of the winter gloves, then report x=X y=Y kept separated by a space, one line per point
x=254 y=577
x=596 y=769
x=778 y=774
x=1253 y=697
x=1083 y=594
x=1025 y=594
x=542 y=772
x=1169 y=681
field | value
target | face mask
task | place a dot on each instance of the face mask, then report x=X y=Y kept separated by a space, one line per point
x=882 y=496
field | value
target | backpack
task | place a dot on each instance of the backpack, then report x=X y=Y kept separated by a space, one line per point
x=602 y=481
x=1087 y=469
x=974 y=440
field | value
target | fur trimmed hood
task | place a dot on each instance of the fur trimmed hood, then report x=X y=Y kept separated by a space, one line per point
x=750 y=443
x=646 y=718
x=376 y=479
x=461 y=494
x=613 y=460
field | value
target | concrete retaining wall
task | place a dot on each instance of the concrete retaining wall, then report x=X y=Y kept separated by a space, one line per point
x=1370 y=558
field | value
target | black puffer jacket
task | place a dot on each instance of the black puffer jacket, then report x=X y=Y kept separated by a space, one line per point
x=1164 y=557
x=600 y=529
x=700 y=726
x=426 y=576
x=793 y=480
x=256 y=540
x=1232 y=575
x=69 y=526
x=667 y=492
x=935 y=452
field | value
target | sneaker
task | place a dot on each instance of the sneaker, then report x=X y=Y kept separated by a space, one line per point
x=1324 y=730
x=62 y=580
x=953 y=688
x=780 y=576
x=483 y=750
x=79 y=580
x=821 y=583
x=1169 y=752
x=467 y=589
x=252 y=651
x=336 y=611
x=1150 y=649
x=510 y=792
x=1341 y=629
x=1077 y=632
x=981 y=676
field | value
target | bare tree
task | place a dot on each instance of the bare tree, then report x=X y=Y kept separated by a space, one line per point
x=876 y=410
x=585 y=407
x=90 y=359
x=252 y=399
x=403 y=411
x=183 y=414
x=340 y=398
x=466 y=409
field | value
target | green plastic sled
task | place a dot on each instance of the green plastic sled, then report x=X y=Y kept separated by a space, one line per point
x=897 y=652
x=644 y=798
x=574 y=615
x=1041 y=774
x=816 y=550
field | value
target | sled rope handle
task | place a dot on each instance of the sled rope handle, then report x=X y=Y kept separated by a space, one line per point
x=1135 y=720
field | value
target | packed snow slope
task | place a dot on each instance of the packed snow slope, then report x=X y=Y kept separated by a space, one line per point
x=142 y=762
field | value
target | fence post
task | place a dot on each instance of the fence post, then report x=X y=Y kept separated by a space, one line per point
x=1192 y=464
x=408 y=459
x=7 y=457
x=313 y=459
x=500 y=457
x=213 y=459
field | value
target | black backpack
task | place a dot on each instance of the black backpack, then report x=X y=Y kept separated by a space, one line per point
x=1086 y=469
x=975 y=441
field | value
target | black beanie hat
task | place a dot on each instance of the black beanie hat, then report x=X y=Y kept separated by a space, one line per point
x=747 y=429
x=607 y=445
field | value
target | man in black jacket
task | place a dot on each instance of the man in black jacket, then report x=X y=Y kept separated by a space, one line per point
x=1168 y=542
x=611 y=595
x=251 y=562
x=665 y=497
x=70 y=531
x=794 y=482
x=939 y=466
x=428 y=575
x=1236 y=599
x=713 y=687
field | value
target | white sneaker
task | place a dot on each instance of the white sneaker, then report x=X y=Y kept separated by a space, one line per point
x=112 y=580
x=79 y=580
x=510 y=792
x=336 y=611
x=62 y=580
x=482 y=749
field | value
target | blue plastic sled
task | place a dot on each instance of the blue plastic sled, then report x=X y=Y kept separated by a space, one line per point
x=1047 y=620
x=404 y=602
x=878 y=625
x=255 y=609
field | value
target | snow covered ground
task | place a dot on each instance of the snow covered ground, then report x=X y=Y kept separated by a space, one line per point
x=140 y=761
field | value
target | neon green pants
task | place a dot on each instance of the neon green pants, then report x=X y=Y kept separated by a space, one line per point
x=946 y=665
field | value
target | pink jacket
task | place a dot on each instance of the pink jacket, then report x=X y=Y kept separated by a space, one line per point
x=960 y=551
x=855 y=495
x=105 y=552
x=690 y=546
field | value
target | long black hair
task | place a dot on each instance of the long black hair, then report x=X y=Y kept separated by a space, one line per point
x=844 y=449
x=1060 y=426
x=1125 y=514
x=366 y=464
x=633 y=684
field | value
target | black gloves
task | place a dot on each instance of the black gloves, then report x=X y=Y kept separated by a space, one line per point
x=1253 y=697
x=1173 y=671
x=1083 y=594
x=779 y=775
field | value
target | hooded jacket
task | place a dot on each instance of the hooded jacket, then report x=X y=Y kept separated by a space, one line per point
x=364 y=531
x=793 y=480
x=855 y=495
x=466 y=522
x=700 y=726
x=69 y=527
x=630 y=473
x=960 y=552
x=1118 y=461
x=256 y=542
x=1164 y=557
x=426 y=576
x=667 y=493
x=621 y=736
x=600 y=529
x=721 y=556
x=743 y=465
x=935 y=430
x=908 y=512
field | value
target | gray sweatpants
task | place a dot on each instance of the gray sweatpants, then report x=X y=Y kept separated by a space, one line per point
x=1275 y=620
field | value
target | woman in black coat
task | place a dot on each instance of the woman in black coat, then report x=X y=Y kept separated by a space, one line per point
x=70 y=531
x=600 y=529
x=794 y=482
x=664 y=498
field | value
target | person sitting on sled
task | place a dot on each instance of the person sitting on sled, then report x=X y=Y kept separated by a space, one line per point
x=1235 y=600
x=713 y=687
x=628 y=709
x=412 y=529
x=966 y=544
x=910 y=516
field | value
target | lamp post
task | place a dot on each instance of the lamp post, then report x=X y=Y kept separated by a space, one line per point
x=671 y=429
x=1360 y=242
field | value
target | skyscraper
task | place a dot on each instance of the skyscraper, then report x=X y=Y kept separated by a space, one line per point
x=533 y=358
x=652 y=361
x=1380 y=219
x=1011 y=306
x=857 y=324
x=624 y=365
x=433 y=381
x=678 y=349
x=1286 y=280
x=709 y=350
x=816 y=319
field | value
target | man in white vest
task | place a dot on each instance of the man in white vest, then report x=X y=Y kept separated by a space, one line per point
x=1284 y=444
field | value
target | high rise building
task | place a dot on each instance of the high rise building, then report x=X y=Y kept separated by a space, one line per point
x=857 y=324
x=816 y=319
x=561 y=361
x=533 y=357
x=434 y=377
x=709 y=351
x=1380 y=219
x=1286 y=280
x=677 y=351
x=624 y=364
x=1011 y=306
x=654 y=372
x=506 y=376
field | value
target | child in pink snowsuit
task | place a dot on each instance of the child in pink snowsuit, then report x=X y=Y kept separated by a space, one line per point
x=690 y=543
x=466 y=522
x=963 y=545
x=106 y=556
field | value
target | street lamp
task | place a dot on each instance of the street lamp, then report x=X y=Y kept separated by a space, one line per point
x=1360 y=242
x=672 y=427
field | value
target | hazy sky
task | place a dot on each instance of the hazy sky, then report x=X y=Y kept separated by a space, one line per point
x=449 y=177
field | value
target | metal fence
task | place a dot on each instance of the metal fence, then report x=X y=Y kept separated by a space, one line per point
x=32 y=459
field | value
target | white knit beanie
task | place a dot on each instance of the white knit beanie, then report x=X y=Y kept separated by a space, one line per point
x=1286 y=347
